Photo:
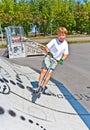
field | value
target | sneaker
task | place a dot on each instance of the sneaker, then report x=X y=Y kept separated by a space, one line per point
x=38 y=90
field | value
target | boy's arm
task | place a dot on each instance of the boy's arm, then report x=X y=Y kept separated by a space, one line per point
x=47 y=49
x=64 y=57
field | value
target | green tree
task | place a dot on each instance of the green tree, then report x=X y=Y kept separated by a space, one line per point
x=81 y=17
x=47 y=15
x=65 y=17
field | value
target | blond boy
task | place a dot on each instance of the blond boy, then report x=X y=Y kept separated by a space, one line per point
x=57 y=51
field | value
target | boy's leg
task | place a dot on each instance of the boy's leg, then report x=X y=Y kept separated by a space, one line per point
x=47 y=79
x=43 y=72
x=46 y=65
x=41 y=77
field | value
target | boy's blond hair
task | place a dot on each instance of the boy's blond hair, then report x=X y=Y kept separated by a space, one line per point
x=62 y=30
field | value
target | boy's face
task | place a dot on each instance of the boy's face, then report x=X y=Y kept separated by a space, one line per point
x=61 y=36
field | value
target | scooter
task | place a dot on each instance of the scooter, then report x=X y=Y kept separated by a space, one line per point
x=49 y=68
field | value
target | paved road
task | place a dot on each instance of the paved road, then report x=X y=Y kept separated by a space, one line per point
x=46 y=39
x=74 y=74
x=69 y=39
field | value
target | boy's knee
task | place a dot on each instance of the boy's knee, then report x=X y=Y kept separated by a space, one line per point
x=44 y=70
x=50 y=72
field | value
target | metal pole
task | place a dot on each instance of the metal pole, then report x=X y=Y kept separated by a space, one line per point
x=1 y=34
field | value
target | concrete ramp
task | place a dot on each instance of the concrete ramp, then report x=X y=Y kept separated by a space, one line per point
x=21 y=110
x=20 y=46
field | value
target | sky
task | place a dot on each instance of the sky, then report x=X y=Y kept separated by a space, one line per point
x=81 y=1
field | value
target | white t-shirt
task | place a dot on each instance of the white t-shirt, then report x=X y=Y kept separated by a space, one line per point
x=58 y=48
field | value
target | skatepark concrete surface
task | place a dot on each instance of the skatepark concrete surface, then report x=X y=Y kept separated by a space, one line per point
x=65 y=103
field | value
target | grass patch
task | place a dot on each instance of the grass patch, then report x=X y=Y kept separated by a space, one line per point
x=3 y=46
x=77 y=42
x=71 y=42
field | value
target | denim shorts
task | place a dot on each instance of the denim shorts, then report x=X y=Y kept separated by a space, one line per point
x=47 y=62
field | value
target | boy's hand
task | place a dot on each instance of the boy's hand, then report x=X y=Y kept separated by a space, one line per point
x=50 y=54
x=61 y=61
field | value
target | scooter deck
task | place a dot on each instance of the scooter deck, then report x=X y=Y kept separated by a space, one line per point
x=48 y=93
